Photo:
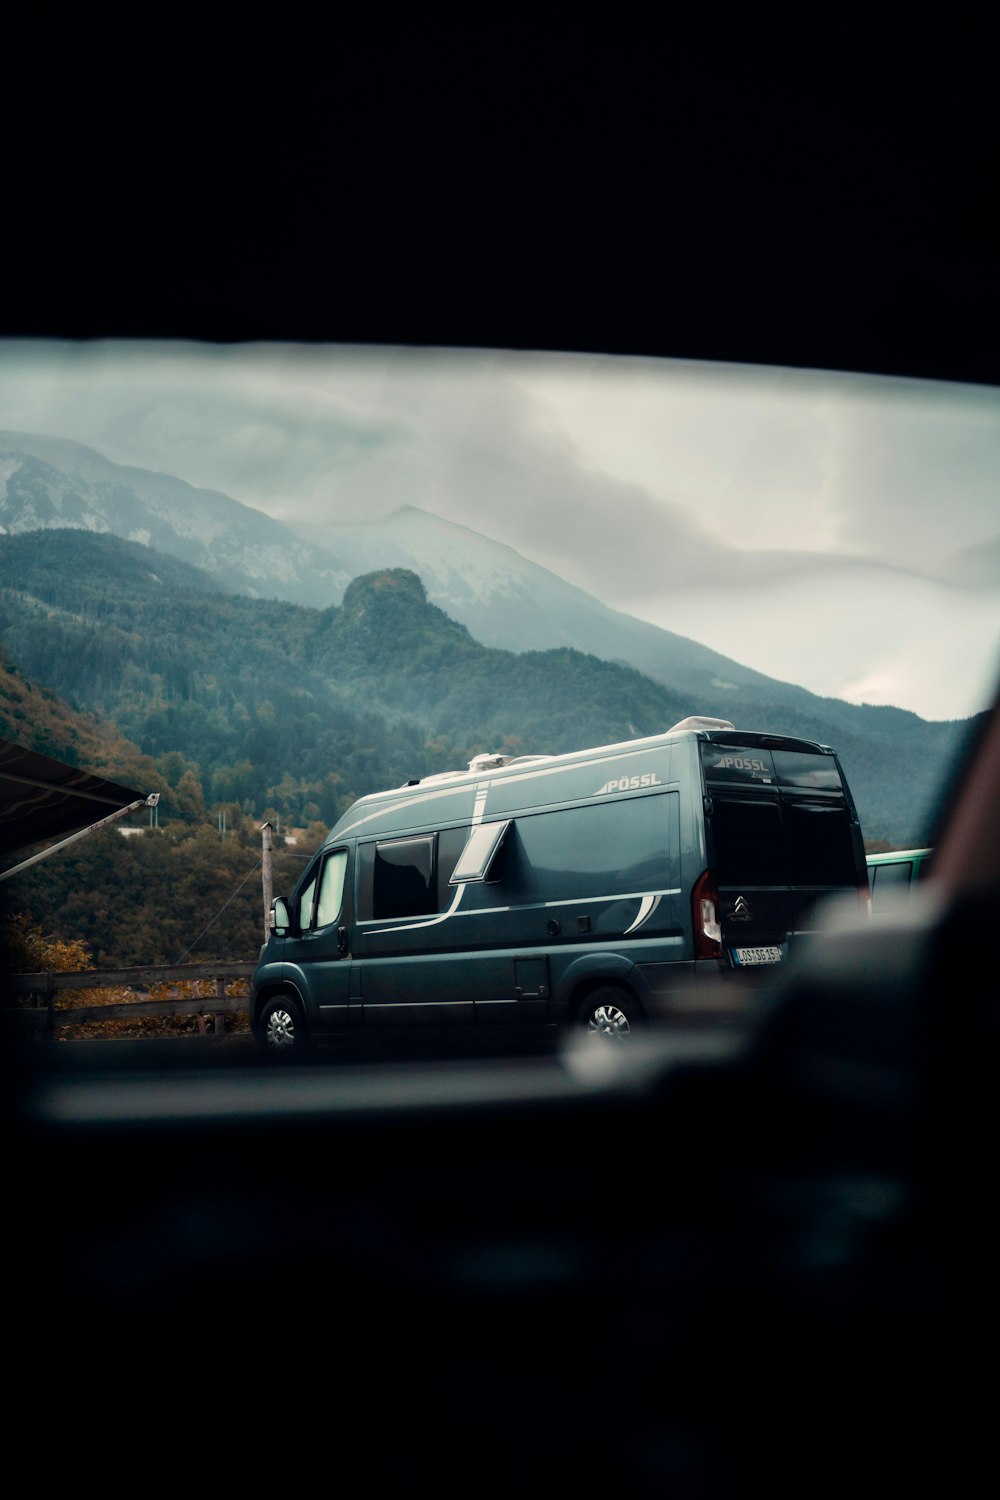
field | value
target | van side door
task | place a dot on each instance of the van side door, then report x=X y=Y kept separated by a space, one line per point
x=317 y=951
x=412 y=965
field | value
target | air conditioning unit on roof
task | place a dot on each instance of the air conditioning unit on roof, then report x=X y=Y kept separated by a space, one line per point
x=697 y=721
x=488 y=762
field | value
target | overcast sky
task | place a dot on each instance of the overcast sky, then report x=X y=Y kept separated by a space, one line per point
x=817 y=526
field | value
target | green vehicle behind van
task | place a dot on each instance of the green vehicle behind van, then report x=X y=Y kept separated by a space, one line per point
x=892 y=876
x=585 y=890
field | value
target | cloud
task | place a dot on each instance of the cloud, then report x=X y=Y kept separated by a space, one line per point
x=895 y=470
x=320 y=439
x=856 y=631
x=602 y=468
x=919 y=466
x=715 y=500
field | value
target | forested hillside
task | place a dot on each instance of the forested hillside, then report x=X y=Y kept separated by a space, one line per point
x=182 y=890
x=39 y=719
x=297 y=710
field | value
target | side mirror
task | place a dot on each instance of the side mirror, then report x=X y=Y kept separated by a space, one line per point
x=279 y=921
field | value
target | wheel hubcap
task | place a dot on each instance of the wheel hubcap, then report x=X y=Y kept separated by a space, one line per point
x=609 y=1022
x=280 y=1030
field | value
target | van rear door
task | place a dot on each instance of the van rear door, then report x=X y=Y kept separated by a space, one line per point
x=782 y=833
x=748 y=861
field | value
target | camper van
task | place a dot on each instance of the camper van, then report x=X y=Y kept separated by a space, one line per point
x=584 y=890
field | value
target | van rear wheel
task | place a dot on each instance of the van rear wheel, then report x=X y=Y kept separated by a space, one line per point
x=610 y=1015
x=282 y=1028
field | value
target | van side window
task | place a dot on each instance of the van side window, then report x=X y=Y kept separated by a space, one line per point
x=330 y=876
x=306 y=906
x=331 y=888
x=403 y=877
x=479 y=859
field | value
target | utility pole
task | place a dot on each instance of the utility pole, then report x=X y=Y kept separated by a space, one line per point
x=265 y=870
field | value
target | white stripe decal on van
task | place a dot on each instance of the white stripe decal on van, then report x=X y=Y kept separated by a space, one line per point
x=655 y=896
x=647 y=906
x=654 y=900
x=413 y=922
x=373 y=814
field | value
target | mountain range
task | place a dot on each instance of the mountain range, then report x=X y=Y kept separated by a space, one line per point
x=94 y=557
x=502 y=598
x=273 y=705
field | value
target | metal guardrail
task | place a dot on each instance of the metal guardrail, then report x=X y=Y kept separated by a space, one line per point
x=42 y=1016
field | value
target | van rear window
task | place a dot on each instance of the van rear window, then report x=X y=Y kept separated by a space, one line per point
x=820 y=846
x=818 y=772
x=743 y=764
x=737 y=763
x=761 y=841
x=749 y=845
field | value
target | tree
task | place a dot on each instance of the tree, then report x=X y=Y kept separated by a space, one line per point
x=26 y=949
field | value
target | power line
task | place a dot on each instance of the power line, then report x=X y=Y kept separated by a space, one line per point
x=302 y=857
x=218 y=914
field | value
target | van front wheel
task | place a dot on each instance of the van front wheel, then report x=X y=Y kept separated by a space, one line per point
x=610 y=1015
x=282 y=1029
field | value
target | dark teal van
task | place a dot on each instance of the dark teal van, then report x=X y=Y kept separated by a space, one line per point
x=586 y=890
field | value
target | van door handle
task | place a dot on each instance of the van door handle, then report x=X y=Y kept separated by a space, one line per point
x=342 y=939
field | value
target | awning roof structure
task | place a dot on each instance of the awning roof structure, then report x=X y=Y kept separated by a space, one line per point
x=41 y=798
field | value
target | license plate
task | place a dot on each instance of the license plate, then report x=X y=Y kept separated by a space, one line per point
x=747 y=956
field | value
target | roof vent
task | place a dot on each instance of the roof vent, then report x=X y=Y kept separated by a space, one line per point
x=488 y=762
x=697 y=721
